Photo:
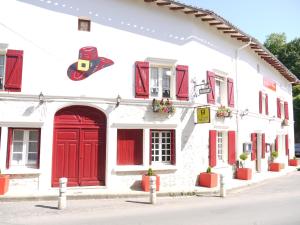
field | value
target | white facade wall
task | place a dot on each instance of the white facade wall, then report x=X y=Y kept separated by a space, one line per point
x=129 y=31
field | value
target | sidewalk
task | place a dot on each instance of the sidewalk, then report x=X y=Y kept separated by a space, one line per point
x=104 y=193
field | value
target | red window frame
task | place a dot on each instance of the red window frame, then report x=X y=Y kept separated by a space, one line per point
x=9 y=146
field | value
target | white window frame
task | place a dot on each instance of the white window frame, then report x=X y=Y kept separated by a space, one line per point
x=24 y=162
x=222 y=147
x=157 y=159
x=2 y=68
x=221 y=94
x=282 y=109
x=263 y=104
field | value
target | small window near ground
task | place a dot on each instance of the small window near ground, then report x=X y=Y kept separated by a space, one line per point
x=24 y=148
x=84 y=24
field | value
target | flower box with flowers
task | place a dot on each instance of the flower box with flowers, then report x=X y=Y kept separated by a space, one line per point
x=163 y=106
x=222 y=112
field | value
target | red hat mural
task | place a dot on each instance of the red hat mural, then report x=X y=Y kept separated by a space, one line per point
x=88 y=63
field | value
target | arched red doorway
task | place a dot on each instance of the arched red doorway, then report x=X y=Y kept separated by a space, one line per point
x=79 y=146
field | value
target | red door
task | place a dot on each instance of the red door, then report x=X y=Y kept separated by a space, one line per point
x=79 y=146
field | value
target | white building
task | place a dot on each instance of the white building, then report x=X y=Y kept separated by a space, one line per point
x=89 y=117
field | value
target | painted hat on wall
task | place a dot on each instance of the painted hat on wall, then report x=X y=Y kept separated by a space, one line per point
x=88 y=63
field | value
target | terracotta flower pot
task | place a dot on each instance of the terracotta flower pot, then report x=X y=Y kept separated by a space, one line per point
x=275 y=167
x=146 y=183
x=293 y=162
x=4 y=180
x=208 y=179
x=244 y=173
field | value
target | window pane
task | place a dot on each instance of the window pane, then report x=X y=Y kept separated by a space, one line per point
x=1 y=83
x=154 y=82
x=1 y=60
x=17 y=157
x=18 y=135
x=17 y=147
x=32 y=157
x=218 y=91
x=33 y=146
x=166 y=82
x=33 y=135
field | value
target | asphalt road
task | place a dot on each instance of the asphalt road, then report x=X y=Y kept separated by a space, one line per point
x=273 y=202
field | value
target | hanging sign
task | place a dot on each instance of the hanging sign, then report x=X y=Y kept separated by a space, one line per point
x=203 y=115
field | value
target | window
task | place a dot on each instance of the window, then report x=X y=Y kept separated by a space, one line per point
x=282 y=109
x=130 y=147
x=160 y=81
x=221 y=94
x=263 y=103
x=2 y=70
x=221 y=146
x=84 y=24
x=162 y=147
x=24 y=147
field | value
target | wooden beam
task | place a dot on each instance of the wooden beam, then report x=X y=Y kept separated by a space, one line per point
x=208 y=19
x=177 y=8
x=216 y=23
x=163 y=3
x=262 y=53
x=237 y=36
x=230 y=31
x=201 y=15
x=190 y=11
x=224 y=28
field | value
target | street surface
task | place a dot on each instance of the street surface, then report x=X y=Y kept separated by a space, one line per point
x=273 y=202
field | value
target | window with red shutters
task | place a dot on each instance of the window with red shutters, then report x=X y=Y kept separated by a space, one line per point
x=182 y=82
x=13 y=70
x=23 y=148
x=162 y=147
x=230 y=92
x=231 y=148
x=211 y=81
x=212 y=148
x=130 y=147
x=142 y=79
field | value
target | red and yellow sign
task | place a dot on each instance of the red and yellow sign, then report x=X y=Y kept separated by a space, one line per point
x=270 y=84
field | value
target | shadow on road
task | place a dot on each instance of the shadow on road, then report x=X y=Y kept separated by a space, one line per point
x=139 y=202
x=46 y=207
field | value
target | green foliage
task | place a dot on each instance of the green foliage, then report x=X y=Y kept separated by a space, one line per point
x=276 y=43
x=274 y=154
x=208 y=170
x=244 y=156
x=150 y=172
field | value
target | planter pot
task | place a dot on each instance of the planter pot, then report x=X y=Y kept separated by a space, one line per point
x=4 y=180
x=275 y=167
x=208 y=179
x=146 y=183
x=244 y=173
x=293 y=162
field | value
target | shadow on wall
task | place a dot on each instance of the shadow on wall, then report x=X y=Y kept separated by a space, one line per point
x=134 y=16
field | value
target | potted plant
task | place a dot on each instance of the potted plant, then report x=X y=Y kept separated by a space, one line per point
x=208 y=178
x=243 y=173
x=293 y=162
x=4 y=181
x=146 y=180
x=274 y=166
x=223 y=112
x=163 y=106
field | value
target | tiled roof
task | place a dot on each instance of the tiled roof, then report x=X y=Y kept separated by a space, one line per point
x=229 y=29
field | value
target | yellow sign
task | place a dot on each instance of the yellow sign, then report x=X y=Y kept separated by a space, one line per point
x=203 y=115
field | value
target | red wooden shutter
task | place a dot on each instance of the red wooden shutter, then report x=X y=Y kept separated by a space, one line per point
x=230 y=92
x=278 y=108
x=130 y=147
x=287 y=151
x=182 y=82
x=212 y=148
x=231 y=147
x=173 y=148
x=260 y=102
x=263 y=146
x=276 y=144
x=13 y=70
x=254 y=145
x=212 y=83
x=286 y=110
x=9 y=143
x=267 y=104
x=142 y=79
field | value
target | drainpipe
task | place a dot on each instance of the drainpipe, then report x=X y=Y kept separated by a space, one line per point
x=237 y=144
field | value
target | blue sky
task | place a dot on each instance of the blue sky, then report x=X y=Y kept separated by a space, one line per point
x=257 y=18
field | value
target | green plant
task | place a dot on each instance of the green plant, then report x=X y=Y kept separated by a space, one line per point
x=163 y=106
x=243 y=157
x=208 y=170
x=223 y=111
x=274 y=154
x=150 y=172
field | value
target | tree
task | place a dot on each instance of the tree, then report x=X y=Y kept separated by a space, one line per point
x=276 y=43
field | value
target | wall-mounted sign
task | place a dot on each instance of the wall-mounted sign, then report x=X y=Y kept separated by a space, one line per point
x=270 y=84
x=203 y=115
x=88 y=63
x=202 y=88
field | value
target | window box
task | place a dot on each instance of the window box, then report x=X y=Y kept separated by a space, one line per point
x=4 y=181
x=163 y=106
x=146 y=183
x=275 y=167
x=293 y=162
x=223 y=112
x=244 y=173
x=209 y=180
